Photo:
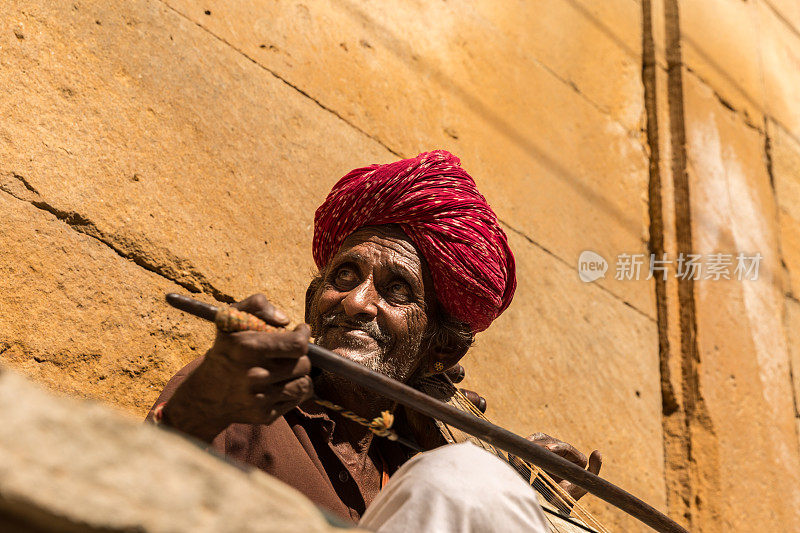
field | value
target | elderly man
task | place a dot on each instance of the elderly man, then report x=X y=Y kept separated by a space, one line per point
x=412 y=263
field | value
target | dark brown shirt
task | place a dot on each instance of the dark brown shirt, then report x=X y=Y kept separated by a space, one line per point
x=302 y=450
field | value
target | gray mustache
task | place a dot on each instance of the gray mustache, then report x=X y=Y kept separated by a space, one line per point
x=370 y=328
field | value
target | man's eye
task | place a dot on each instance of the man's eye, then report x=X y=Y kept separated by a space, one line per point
x=345 y=276
x=399 y=289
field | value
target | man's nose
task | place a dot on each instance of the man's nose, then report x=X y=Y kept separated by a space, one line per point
x=362 y=301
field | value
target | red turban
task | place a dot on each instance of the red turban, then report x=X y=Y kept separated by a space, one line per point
x=437 y=204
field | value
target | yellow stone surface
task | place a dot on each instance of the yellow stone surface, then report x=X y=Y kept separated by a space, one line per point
x=566 y=166
x=154 y=146
x=720 y=43
x=790 y=247
x=780 y=58
x=793 y=338
x=558 y=326
x=744 y=378
x=788 y=11
x=81 y=319
x=785 y=158
x=182 y=153
x=785 y=161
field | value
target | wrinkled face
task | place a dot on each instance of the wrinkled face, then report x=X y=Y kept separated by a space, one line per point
x=371 y=306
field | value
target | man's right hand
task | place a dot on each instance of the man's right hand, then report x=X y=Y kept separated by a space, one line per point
x=247 y=377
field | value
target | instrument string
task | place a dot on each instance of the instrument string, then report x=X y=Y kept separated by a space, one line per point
x=539 y=479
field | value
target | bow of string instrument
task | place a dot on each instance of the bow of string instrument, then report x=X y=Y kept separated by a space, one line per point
x=459 y=420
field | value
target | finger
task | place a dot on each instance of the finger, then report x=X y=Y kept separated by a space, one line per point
x=259 y=306
x=476 y=399
x=456 y=373
x=260 y=378
x=595 y=462
x=265 y=411
x=304 y=330
x=568 y=452
x=284 y=407
x=259 y=348
x=540 y=438
x=296 y=390
x=573 y=490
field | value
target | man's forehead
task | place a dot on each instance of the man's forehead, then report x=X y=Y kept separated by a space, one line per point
x=388 y=238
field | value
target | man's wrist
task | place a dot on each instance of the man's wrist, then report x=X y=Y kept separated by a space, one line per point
x=194 y=422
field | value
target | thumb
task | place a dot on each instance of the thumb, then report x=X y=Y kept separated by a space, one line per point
x=595 y=462
x=303 y=328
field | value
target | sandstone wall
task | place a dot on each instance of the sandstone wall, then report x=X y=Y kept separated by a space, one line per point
x=153 y=146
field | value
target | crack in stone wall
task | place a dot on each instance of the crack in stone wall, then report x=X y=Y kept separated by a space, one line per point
x=538 y=245
x=785 y=271
x=746 y=119
x=285 y=81
x=177 y=270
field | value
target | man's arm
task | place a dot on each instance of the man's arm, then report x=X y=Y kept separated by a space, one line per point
x=246 y=377
x=173 y=384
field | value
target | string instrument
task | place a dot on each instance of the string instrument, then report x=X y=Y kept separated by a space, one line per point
x=562 y=512
x=458 y=420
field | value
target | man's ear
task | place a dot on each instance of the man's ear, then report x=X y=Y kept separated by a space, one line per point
x=311 y=292
x=445 y=351
x=448 y=341
x=446 y=355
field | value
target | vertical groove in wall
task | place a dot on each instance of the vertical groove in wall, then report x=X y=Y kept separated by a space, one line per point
x=675 y=439
x=655 y=204
x=674 y=467
x=678 y=442
x=690 y=445
x=785 y=275
x=681 y=411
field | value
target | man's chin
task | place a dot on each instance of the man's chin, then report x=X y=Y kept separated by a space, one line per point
x=359 y=348
x=366 y=358
x=369 y=358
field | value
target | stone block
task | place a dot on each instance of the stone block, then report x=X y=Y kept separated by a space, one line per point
x=793 y=340
x=382 y=46
x=743 y=386
x=780 y=57
x=720 y=43
x=784 y=152
x=67 y=465
x=565 y=167
x=81 y=319
x=790 y=251
x=785 y=159
x=593 y=46
x=169 y=144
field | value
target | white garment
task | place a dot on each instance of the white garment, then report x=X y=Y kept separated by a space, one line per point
x=458 y=488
